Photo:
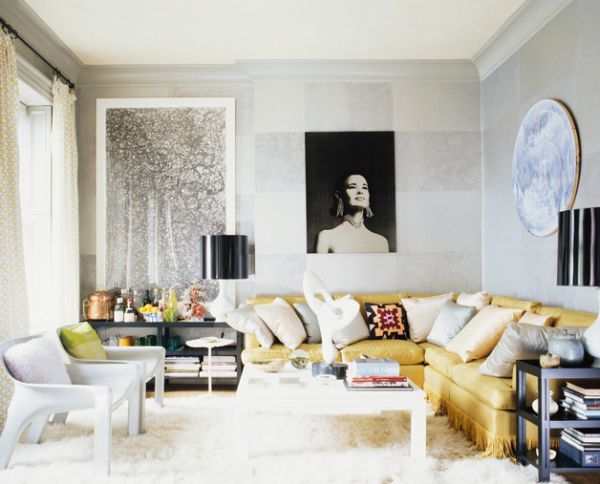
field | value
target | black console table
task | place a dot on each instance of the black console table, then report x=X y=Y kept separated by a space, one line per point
x=163 y=330
x=545 y=422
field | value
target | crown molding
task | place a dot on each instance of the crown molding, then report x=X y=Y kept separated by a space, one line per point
x=528 y=20
x=248 y=71
x=35 y=79
x=32 y=28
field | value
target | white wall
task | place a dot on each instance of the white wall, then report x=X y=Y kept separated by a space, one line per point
x=562 y=62
x=436 y=124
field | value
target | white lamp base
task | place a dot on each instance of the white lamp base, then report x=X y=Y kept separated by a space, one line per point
x=222 y=304
x=591 y=338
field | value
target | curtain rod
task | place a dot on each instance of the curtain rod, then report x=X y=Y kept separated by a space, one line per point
x=13 y=33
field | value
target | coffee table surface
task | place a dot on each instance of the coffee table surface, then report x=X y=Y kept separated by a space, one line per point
x=295 y=385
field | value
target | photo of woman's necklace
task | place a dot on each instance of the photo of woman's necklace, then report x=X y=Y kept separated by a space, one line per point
x=351 y=221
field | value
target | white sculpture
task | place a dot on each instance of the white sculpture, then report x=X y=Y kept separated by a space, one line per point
x=332 y=315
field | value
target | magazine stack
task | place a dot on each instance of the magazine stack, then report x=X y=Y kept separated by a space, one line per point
x=376 y=374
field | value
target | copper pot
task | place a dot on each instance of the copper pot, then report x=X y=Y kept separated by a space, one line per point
x=99 y=306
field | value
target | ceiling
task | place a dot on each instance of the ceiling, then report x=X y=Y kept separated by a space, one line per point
x=104 y=32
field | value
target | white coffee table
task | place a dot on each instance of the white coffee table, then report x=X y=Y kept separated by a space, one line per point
x=298 y=392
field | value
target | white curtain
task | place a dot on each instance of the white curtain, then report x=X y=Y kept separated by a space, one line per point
x=65 y=210
x=13 y=288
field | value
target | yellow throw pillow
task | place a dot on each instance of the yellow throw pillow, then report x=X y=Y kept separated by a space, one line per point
x=537 y=319
x=81 y=341
x=478 y=300
x=478 y=338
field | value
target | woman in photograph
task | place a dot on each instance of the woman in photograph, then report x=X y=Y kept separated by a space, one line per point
x=352 y=203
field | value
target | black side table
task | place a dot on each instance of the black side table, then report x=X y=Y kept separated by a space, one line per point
x=544 y=422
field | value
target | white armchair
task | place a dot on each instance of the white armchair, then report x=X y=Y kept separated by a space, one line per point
x=149 y=360
x=101 y=387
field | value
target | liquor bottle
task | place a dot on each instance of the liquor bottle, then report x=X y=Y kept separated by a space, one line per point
x=119 y=314
x=137 y=299
x=155 y=303
x=147 y=299
x=130 y=316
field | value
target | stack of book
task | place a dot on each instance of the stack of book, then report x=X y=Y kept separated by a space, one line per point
x=582 y=400
x=374 y=373
x=222 y=366
x=581 y=445
x=182 y=366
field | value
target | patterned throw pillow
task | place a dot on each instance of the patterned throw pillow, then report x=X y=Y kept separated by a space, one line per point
x=386 y=321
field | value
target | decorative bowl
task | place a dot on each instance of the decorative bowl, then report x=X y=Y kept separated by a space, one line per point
x=551 y=453
x=549 y=360
x=272 y=366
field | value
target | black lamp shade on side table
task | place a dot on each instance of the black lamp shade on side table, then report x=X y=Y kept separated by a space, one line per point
x=579 y=247
x=224 y=257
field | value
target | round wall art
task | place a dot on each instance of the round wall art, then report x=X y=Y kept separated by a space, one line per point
x=545 y=169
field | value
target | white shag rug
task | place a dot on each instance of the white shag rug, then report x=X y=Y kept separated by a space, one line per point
x=193 y=440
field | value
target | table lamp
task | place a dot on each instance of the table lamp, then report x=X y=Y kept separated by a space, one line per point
x=223 y=258
x=579 y=262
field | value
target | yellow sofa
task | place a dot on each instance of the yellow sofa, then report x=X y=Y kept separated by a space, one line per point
x=483 y=407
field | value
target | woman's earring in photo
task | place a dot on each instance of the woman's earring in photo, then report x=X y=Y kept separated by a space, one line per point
x=340 y=208
x=368 y=212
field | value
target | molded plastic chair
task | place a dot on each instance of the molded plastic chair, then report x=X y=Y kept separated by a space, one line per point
x=102 y=387
x=151 y=364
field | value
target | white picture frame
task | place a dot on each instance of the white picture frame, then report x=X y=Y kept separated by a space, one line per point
x=102 y=105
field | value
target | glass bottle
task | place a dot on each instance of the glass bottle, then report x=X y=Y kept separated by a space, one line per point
x=130 y=316
x=119 y=315
x=147 y=299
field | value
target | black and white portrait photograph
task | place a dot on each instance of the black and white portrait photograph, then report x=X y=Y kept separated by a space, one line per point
x=350 y=192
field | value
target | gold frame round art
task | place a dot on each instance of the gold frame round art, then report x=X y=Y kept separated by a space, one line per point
x=546 y=165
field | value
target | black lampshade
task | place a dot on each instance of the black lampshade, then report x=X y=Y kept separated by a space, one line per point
x=224 y=256
x=579 y=247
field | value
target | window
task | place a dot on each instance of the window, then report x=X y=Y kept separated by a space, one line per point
x=35 y=180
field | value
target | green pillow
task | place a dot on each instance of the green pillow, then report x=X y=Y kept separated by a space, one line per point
x=81 y=341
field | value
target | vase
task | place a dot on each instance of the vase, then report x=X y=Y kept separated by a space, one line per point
x=591 y=338
x=552 y=405
x=568 y=346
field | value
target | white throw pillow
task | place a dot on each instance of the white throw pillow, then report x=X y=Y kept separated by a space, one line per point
x=283 y=322
x=245 y=320
x=422 y=312
x=478 y=300
x=37 y=361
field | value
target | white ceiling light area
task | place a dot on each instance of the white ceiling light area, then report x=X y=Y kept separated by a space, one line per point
x=161 y=32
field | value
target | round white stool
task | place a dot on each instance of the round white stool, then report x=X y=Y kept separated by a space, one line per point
x=209 y=342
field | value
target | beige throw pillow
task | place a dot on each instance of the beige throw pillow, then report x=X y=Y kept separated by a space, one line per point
x=478 y=338
x=478 y=300
x=422 y=312
x=283 y=321
x=537 y=319
x=245 y=320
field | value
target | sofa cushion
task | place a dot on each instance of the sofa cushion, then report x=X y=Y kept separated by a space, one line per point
x=478 y=300
x=404 y=352
x=81 y=341
x=440 y=359
x=245 y=320
x=422 y=312
x=386 y=321
x=452 y=318
x=355 y=330
x=310 y=321
x=283 y=322
x=537 y=319
x=478 y=338
x=511 y=302
x=493 y=391
x=258 y=355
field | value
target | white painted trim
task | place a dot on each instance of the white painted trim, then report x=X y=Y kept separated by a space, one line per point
x=29 y=25
x=35 y=80
x=528 y=20
x=247 y=71
x=101 y=106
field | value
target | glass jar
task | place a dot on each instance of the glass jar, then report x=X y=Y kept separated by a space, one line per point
x=568 y=346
